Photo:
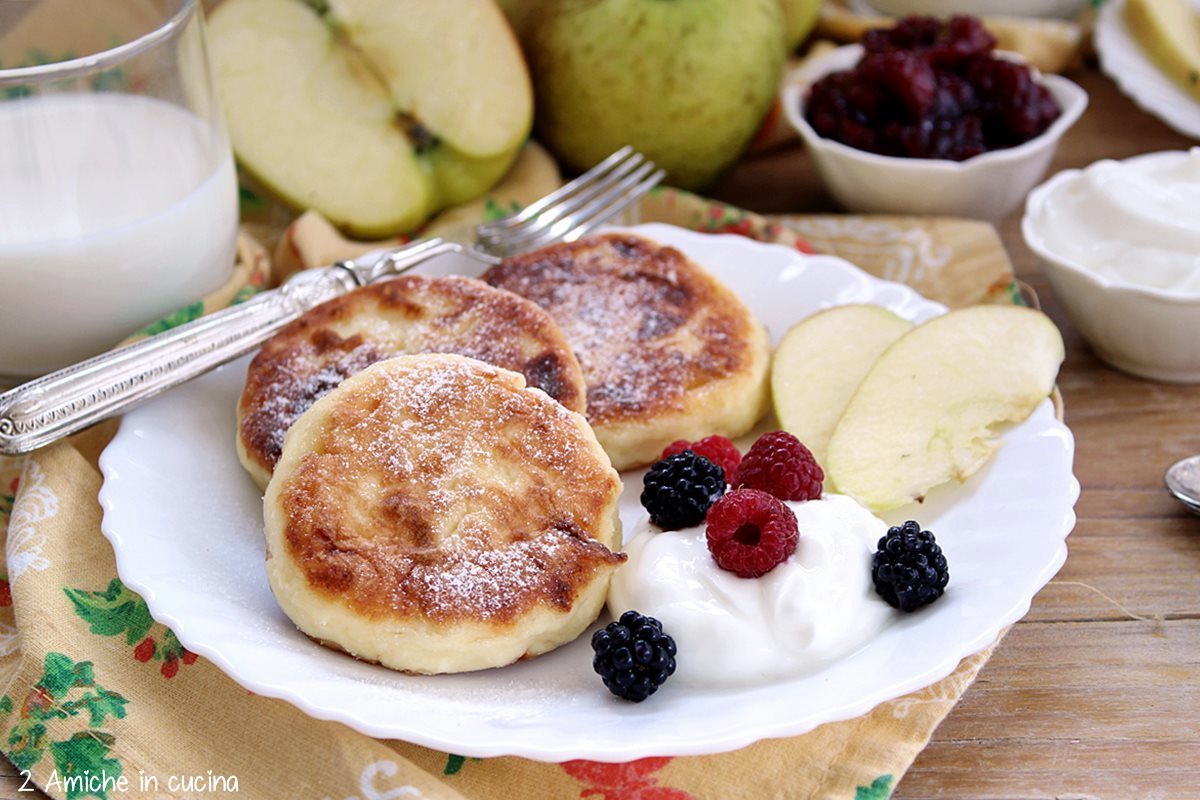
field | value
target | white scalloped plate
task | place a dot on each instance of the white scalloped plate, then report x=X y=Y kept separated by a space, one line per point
x=1123 y=60
x=185 y=522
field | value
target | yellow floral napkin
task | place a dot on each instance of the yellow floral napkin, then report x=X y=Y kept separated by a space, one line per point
x=99 y=700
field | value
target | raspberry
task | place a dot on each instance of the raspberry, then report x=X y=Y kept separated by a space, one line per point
x=716 y=449
x=909 y=568
x=170 y=667
x=750 y=533
x=633 y=656
x=678 y=490
x=779 y=464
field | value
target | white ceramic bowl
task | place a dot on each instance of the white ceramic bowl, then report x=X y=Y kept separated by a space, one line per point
x=1148 y=332
x=987 y=186
x=1009 y=8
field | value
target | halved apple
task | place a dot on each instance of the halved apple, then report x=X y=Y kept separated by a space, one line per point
x=376 y=113
x=821 y=361
x=927 y=410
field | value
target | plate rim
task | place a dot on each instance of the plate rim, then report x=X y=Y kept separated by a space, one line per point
x=703 y=745
x=1117 y=48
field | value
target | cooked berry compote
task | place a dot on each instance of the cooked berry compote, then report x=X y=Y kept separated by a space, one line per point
x=931 y=88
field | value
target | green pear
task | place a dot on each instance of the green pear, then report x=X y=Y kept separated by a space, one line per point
x=800 y=17
x=687 y=82
x=518 y=12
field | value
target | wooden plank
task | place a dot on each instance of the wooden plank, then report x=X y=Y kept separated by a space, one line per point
x=11 y=783
x=1101 y=709
x=1148 y=566
x=1052 y=770
x=1130 y=504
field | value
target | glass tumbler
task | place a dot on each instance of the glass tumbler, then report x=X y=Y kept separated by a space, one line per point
x=118 y=201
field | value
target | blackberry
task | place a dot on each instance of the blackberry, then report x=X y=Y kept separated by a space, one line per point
x=909 y=569
x=633 y=656
x=678 y=490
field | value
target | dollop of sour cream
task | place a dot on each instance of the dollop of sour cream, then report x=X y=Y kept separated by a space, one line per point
x=1135 y=221
x=816 y=606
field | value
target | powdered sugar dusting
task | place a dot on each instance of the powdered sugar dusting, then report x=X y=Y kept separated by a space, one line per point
x=438 y=483
x=295 y=386
x=411 y=314
x=646 y=324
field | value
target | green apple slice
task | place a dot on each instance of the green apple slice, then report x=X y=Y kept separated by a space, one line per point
x=310 y=120
x=821 y=361
x=927 y=411
x=454 y=65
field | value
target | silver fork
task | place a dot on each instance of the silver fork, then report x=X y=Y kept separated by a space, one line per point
x=61 y=403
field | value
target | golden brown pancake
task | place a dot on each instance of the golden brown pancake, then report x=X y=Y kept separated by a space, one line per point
x=667 y=351
x=435 y=515
x=410 y=314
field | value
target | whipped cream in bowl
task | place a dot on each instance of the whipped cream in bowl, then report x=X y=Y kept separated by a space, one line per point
x=816 y=606
x=1119 y=242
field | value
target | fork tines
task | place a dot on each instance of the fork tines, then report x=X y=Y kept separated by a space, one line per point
x=577 y=208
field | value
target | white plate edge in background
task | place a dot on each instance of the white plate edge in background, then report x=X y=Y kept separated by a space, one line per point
x=1123 y=60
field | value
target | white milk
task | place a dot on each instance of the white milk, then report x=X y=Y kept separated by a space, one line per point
x=114 y=209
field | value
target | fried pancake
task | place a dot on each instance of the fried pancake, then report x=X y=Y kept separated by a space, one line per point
x=410 y=314
x=667 y=351
x=434 y=515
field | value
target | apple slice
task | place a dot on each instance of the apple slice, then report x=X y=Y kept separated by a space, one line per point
x=1169 y=32
x=926 y=411
x=428 y=53
x=821 y=361
x=376 y=114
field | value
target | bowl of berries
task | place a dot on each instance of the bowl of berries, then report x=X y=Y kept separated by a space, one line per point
x=928 y=118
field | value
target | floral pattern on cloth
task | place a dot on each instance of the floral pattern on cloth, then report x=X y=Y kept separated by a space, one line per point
x=117 y=611
x=26 y=535
x=634 y=780
x=66 y=691
x=880 y=789
x=91 y=685
x=369 y=784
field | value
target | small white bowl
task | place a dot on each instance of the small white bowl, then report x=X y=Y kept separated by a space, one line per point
x=987 y=186
x=979 y=8
x=1149 y=332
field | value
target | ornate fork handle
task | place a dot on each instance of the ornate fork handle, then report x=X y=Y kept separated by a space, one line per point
x=61 y=403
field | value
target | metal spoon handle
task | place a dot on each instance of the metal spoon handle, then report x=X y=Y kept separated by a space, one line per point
x=61 y=403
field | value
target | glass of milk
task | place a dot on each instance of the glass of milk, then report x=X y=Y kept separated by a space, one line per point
x=118 y=201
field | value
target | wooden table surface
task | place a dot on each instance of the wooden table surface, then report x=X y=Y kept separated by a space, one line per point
x=1094 y=694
